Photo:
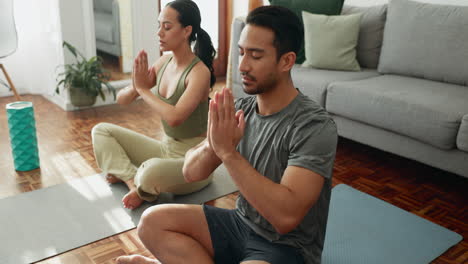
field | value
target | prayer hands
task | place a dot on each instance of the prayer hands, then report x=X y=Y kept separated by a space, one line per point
x=142 y=76
x=225 y=126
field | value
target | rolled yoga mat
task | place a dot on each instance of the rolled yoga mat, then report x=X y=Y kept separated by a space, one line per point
x=23 y=138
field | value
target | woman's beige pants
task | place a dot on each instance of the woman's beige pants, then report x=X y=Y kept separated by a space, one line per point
x=156 y=166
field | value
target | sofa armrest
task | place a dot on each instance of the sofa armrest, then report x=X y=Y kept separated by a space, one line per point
x=462 y=136
x=233 y=79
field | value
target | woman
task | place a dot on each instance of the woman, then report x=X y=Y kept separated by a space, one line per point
x=176 y=87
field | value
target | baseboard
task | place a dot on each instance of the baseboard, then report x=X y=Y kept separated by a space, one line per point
x=5 y=92
x=56 y=99
x=65 y=104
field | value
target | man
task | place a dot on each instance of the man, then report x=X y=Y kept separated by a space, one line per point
x=279 y=149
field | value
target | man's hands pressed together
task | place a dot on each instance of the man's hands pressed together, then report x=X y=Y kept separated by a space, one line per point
x=225 y=126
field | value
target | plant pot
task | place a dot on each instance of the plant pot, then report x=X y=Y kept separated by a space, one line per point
x=80 y=98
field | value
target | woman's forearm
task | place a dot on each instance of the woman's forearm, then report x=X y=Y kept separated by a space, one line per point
x=126 y=95
x=168 y=112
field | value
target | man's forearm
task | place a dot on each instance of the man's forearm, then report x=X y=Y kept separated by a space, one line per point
x=200 y=162
x=273 y=201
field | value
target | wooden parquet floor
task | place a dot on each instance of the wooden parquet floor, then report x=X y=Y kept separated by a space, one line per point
x=66 y=153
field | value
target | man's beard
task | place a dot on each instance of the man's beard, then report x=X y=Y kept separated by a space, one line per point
x=263 y=87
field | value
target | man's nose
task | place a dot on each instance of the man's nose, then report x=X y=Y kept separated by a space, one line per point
x=244 y=66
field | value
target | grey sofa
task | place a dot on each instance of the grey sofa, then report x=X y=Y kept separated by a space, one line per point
x=107 y=26
x=411 y=97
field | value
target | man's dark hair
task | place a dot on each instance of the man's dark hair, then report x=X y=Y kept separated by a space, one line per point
x=288 y=28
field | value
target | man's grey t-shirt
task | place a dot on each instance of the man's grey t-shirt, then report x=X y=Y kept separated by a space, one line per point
x=303 y=135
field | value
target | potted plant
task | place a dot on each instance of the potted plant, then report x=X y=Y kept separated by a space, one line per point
x=84 y=78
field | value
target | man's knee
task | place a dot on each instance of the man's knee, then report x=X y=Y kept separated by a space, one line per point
x=148 y=216
x=152 y=221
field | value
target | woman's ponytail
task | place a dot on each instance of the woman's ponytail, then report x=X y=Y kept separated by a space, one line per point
x=205 y=51
x=189 y=15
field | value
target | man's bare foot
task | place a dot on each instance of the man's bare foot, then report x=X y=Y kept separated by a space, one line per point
x=131 y=200
x=136 y=259
x=112 y=179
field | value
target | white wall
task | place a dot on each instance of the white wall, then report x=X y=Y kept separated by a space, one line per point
x=42 y=25
x=240 y=8
x=77 y=28
x=143 y=20
x=145 y=26
x=126 y=34
x=209 y=18
x=32 y=66
x=77 y=23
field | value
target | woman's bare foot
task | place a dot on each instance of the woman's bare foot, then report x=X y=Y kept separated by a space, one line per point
x=136 y=259
x=112 y=179
x=131 y=200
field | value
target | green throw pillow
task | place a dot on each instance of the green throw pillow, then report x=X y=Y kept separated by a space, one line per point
x=330 y=41
x=323 y=7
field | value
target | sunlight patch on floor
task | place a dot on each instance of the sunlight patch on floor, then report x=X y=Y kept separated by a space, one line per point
x=91 y=188
x=118 y=219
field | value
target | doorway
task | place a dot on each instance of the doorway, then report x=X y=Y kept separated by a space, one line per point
x=112 y=36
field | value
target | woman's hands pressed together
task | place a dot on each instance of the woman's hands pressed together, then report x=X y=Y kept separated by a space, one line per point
x=143 y=78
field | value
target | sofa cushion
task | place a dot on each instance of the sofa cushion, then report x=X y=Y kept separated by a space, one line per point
x=237 y=26
x=324 y=7
x=462 y=137
x=330 y=41
x=103 y=25
x=313 y=82
x=426 y=40
x=424 y=110
x=370 y=33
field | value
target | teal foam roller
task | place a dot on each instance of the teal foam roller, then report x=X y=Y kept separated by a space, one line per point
x=23 y=140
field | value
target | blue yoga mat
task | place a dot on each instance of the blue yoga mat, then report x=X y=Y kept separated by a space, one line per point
x=362 y=229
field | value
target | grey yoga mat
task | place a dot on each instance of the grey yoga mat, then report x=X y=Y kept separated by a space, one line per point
x=50 y=221
x=362 y=229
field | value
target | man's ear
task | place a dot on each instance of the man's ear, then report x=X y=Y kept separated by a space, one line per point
x=287 y=61
x=188 y=31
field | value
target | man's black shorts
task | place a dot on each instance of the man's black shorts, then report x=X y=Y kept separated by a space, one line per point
x=234 y=241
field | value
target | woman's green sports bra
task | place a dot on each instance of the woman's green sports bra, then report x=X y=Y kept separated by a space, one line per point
x=196 y=123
